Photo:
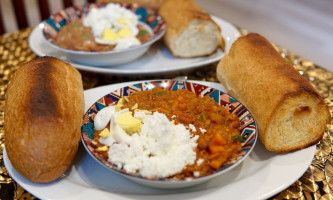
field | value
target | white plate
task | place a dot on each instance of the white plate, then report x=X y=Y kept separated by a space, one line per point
x=261 y=175
x=157 y=60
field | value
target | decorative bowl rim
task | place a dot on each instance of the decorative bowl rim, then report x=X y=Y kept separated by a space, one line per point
x=157 y=34
x=162 y=83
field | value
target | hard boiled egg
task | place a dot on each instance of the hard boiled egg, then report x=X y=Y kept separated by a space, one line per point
x=114 y=25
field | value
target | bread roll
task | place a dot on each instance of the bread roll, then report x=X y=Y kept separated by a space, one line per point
x=190 y=30
x=289 y=112
x=43 y=116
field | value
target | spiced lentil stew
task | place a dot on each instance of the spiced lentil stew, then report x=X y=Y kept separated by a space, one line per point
x=76 y=36
x=218 y=130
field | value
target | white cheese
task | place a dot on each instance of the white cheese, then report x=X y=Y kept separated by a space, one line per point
x=103 y=117
x=196 y=174
x=200 y=161
x=192 y=128
x=113 y=24
x=203 y=130
x=160 y=150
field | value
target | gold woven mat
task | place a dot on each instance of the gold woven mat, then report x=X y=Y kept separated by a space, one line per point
x=316 y=183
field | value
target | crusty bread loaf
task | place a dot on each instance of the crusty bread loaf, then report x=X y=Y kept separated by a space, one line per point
x=43 y=116
x=289 y=112
x=190 y=30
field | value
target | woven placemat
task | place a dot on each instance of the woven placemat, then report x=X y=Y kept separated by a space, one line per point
x=316 y=183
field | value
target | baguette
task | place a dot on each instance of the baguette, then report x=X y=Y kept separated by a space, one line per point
x=289 y=112
x=44 y=107
x=190 y=30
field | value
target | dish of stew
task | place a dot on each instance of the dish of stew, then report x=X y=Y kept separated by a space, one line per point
x=225 y=129
x=76 y=36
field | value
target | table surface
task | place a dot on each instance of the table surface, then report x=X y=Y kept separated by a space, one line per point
x=315 y=183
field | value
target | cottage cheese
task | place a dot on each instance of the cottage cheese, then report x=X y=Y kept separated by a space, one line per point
x=113 y=24
x=160 y=149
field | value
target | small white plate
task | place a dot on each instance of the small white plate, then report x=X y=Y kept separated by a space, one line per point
x=261 y=175
x=157 y=60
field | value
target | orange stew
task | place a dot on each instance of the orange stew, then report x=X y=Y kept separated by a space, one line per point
x=216 y=144
x=76 y=36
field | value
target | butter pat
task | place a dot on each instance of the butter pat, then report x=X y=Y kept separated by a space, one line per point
x=129 y=123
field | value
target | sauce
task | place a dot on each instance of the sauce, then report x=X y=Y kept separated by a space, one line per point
x=76 y=36
x=214 y=125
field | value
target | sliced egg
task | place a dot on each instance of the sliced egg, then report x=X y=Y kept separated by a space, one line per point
x=125 y=32
x=134 y=29
x=103 y=148
x=114 y=25
x=118 y=134
x=129 y=123
x=103 y=117
x=124 y=43
x=105 y=133
x=109 y=35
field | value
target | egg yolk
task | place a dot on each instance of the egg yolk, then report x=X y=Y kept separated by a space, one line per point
x=124 y=32
x=129 y=123
x=109 y=35
x=105 y=133
x=119 y=104
x=124 y=21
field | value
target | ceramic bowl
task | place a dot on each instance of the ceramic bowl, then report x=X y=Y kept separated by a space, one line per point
x=149 y=18
x=248 y=129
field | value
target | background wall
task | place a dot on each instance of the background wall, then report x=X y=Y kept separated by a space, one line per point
x=305 y=27
x=32 y=11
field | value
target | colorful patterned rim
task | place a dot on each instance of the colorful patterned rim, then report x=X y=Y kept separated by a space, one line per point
x=55 y=22
x=247 y=130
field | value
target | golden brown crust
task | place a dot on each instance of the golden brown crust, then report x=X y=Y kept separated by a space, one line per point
x=255 y=73
x=178 y=14
x=43 y=116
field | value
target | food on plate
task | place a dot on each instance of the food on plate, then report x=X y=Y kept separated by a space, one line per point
x=167 y=134
x=104 y=29
x=190 y=30
x=147 y=3
x=290 y=113
x=43 y=117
